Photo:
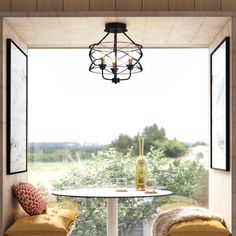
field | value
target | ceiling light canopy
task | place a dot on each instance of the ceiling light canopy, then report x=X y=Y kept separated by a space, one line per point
x=116 y=56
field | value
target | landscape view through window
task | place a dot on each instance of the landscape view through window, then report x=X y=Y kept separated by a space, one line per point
x=83 y=131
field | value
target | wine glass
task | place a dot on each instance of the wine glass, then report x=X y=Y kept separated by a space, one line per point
x=121 y=184
x=151 y=185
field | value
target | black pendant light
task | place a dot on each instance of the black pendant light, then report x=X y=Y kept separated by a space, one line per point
x=116 y=56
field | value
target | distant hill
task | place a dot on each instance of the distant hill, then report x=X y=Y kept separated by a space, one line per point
x=52 y=146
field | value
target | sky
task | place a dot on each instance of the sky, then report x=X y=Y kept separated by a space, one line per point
x=67 y=103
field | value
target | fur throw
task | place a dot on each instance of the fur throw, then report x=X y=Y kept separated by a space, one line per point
x=164 y=220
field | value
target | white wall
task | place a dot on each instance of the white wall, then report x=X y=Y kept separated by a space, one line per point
x=220 y=182
x=9 y=209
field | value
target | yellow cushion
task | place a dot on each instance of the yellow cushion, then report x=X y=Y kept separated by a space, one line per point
x=199 y=228
x=57 y=222
x=70 y=214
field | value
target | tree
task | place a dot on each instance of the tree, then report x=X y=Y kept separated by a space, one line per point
x=172 y=148
x=199 y=144
x=151 y=134
x=122 y=144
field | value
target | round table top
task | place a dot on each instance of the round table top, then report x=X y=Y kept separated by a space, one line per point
x=109 y=193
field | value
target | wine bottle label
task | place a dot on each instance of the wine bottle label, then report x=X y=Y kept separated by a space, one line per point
x=141 y=175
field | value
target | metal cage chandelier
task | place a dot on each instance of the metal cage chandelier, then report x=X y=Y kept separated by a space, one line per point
x=115 y=59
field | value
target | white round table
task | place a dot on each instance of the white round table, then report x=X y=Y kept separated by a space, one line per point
x=112 y=201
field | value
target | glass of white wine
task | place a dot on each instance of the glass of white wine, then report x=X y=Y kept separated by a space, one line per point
x=151 y=186
x=121 y=184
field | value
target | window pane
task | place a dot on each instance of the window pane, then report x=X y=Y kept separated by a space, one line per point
x=83 y=131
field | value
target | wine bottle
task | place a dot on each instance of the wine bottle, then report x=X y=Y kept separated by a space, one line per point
x=141 y=168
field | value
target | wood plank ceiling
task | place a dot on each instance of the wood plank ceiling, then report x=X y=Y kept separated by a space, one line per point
x=117 y=5
x=80 y=32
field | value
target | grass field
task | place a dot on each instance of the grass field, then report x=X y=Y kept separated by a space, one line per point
x=44 y=173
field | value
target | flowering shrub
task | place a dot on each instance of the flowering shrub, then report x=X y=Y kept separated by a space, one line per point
x=182 y=177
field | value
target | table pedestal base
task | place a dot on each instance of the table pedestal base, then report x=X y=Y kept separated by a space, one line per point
x=112 y=216
x=112 y=201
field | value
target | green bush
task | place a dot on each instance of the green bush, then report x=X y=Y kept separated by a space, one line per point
x=182 y=177
x=171 y=148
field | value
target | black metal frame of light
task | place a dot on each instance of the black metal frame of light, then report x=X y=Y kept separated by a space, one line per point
x=115 y=58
